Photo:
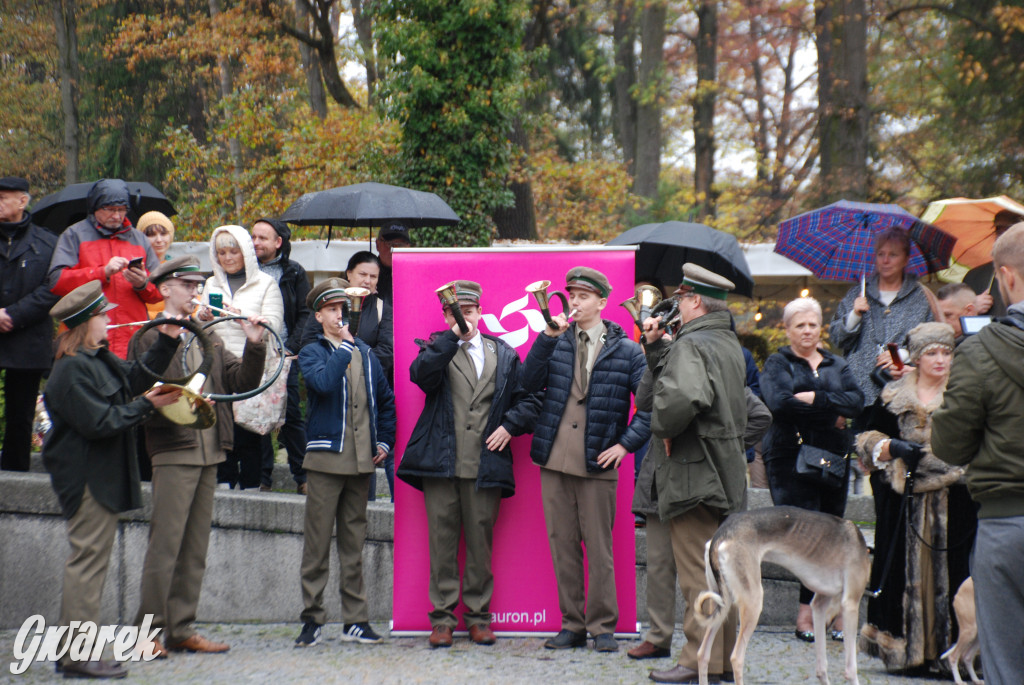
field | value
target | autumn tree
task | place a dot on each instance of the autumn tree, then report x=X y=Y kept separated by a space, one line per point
x=451 y=77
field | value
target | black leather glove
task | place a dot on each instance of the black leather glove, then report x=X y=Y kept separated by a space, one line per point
x=909 y=452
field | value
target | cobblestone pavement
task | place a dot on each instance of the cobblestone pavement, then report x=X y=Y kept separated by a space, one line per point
x=264 y=653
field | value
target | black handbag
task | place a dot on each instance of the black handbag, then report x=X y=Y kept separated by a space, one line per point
x=819 y=465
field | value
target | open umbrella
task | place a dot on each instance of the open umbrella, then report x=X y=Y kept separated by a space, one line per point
x=59 y=210
x=837 y=242
x=972 y=223
x=370 y=204
x=665 y=247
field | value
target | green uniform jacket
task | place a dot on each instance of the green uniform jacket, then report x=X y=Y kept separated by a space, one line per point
x=981 y=420
x=92 y=442
x=699 y=404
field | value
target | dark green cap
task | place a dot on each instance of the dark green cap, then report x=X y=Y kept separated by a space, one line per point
x=588 y=279
x=81 y=304
x=185 y=268
x=325 y=292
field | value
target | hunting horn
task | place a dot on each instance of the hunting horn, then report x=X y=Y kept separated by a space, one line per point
x=539 y=289
x=356 y=295
x=449 y=298
x=192 y=409
x=643 y=301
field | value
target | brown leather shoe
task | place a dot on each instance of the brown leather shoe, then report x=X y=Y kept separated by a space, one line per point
x=440 y=636
x=198 y=643
x=482 y=634
x=301 y=488
x=681 y=674
x=93 y=669
x=648 y=650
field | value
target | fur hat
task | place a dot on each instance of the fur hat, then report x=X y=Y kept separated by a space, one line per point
x=925 y=336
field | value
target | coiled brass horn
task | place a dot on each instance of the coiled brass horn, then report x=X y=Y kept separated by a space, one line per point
x=356 y=295
x=668 y=310
x=643 y=301
x=192 y=409
x=238 y=397
x=449 y=298
x=539 y=289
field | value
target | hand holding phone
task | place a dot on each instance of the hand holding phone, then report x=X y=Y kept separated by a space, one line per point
x=894 y=353
x=217 y=299
x=136 y=263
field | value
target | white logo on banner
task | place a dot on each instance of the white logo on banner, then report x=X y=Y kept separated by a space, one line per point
x=518 y=337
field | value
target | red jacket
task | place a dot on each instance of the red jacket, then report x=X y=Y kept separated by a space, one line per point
x=81 y=255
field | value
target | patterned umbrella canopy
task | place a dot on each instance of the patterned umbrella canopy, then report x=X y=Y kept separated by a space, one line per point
x=837 y=242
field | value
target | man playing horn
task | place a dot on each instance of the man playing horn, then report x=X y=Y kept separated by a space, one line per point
x=185 y=469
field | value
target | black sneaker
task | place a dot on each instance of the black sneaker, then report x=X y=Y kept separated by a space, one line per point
x=360 y=632
x=310 y=634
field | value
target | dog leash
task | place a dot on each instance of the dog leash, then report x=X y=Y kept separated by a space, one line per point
x=907 y=489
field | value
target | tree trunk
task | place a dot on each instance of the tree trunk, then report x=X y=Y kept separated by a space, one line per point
x=704 y=109
x=518 y=222
x=841 y=38
x=364 y=30
x=226 y=88
x=649 y=99
x=67 y=64
x=310 y=64
x=623 y=104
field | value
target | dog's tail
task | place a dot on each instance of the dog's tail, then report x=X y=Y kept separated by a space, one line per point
x=711 y=605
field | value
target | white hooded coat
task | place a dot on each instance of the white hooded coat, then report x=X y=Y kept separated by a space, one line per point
x=259 y=295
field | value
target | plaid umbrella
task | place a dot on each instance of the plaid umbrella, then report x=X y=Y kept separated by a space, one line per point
x=837 y=242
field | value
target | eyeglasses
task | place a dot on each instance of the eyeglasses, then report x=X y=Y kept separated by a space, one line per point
x=113 y=210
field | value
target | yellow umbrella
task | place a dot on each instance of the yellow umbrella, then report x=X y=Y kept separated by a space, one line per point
x=972 y=223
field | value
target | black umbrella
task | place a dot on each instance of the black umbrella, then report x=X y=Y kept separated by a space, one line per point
x=59 y=210
x=665 y=247
x=370 y=204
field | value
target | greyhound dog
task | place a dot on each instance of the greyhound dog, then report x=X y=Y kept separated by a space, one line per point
x=966 y=647
x=828 y=554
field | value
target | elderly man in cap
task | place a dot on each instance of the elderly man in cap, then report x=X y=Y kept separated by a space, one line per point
x=471 y=380
x=271 y=239
x=698 y=420
x=104 y=246
x=390 y=236
x=185 y=468
x=588 y=370
x=95 y=401
x=25 y=327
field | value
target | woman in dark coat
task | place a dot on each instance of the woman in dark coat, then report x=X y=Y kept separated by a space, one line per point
x=911 y=624
x=811 y=393
x=90 y=451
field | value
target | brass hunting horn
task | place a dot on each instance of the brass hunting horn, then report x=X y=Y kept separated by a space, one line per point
x=192 y=409
x=644 y=300
x=446 y=293
x=356 y=295
x=539 y=289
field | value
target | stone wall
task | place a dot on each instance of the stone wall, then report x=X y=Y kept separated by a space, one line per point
x=252 y=571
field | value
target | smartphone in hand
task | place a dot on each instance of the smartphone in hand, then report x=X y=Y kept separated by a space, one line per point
x=216 y=299
x=136 y=263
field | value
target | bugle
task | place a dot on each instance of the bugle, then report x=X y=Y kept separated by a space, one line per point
x=539 y=289
x=449 y=298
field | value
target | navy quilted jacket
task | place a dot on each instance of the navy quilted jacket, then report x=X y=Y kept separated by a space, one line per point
x=617 y=371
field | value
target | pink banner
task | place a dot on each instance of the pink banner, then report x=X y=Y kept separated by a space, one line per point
x=525 y=597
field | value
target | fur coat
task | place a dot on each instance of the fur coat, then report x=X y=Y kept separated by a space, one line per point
x=909 y=629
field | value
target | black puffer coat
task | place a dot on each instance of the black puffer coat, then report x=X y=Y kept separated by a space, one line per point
x=617 y=371
x=431 y=449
